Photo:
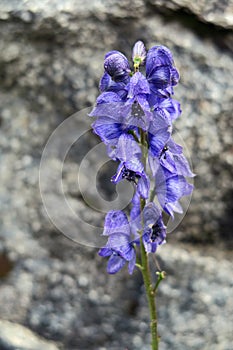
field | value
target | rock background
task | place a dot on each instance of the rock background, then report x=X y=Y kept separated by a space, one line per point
x=51 y=57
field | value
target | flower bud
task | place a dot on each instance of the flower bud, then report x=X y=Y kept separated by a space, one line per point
x=139 y=54
x=117 y=66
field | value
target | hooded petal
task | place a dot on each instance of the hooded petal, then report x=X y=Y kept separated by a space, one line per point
x=160 y=77
x=160 y=72
x=175 y=76
x=158 y=56
x=116 y=221
x=117 y=66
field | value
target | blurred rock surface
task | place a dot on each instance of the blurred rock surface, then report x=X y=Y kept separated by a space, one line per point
x=51 y=58
x=14 y=336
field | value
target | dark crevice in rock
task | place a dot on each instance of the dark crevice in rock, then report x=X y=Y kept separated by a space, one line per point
x=222 y=37
x=6 y=265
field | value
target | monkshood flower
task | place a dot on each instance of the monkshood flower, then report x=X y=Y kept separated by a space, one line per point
x=160 y=71
x=119 y=247
x=117 y=66
x=170 y=188
x=158 y=135
x=136 y=109
x=154 y=232
x=170 y=158
x=131 y=168
x=153 y=229
x=134 y=117
x=132 y=105
x=108 y=85
x=167 y=108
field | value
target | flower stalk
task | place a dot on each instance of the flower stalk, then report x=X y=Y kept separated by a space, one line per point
x=134 y=116
x=150 y=293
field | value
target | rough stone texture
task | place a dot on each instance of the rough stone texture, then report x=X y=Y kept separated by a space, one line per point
x=216 y=12
x=51 y=56
x=14 y=336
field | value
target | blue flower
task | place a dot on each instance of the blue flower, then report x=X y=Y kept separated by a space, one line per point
x=108 y=85
x=128 y=152
x=170 y=188
x=167 y=108
x=172 y=159
x=158 y=135
x=129 y=104
x=135 y=111
x=117 y=66
x=119 y=248
x=154 y=233
x=154 y=230
x=137 y=108
x=160 y=72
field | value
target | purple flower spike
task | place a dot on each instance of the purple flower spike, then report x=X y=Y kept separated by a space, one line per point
x=134 y=118
x=117 y=66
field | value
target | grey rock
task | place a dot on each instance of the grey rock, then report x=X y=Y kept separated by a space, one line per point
x=14 y=336
x=218 y=13
x=51 y=59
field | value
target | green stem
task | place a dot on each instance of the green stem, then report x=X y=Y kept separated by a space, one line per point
x=150 y=298
x=144 y=266
x=150 y=290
